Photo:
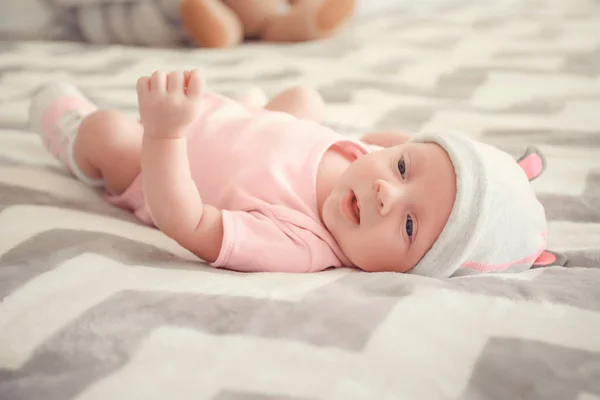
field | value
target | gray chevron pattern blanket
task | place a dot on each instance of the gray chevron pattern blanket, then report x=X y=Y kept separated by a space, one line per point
x=96 y=306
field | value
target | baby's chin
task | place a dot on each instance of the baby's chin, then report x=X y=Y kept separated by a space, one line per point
x=379 y=268
x=369 y=264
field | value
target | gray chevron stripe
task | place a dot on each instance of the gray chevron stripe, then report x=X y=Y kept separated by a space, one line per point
x=569 y=373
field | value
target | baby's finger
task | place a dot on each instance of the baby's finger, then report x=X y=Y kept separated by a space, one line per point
x=175 y=82
x=142 y=86
x=158 y=82
x=195 y=84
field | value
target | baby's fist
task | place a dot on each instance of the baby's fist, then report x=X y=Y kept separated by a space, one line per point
x=168 y=103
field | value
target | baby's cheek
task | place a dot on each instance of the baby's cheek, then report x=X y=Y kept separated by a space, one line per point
x=371 y=251
x=388 y=252
x=357 y=248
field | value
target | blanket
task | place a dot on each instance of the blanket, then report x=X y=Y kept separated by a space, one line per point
x=97 y=306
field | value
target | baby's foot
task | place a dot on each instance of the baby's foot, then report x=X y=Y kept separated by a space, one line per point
x=309 y=20
x=251 y=96
x=55 y=113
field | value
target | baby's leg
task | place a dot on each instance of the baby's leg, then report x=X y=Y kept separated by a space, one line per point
x=301 y=102
x=108 y=147
x=101 y=148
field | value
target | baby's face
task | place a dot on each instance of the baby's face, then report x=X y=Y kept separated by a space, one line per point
x=389 y=206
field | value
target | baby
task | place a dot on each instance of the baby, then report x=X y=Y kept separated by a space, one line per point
x=271 y=189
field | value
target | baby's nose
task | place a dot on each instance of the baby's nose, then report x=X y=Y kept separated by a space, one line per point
x=388 y=196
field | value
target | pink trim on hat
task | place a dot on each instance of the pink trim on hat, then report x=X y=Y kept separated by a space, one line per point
x=497 y=267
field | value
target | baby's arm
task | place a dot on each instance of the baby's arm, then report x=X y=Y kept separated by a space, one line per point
x=386 y=139
x=167 y=108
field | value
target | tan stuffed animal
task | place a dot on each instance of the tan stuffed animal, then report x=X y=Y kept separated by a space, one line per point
x=226 y=23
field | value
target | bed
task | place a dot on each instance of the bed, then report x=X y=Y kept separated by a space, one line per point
x=97 y=306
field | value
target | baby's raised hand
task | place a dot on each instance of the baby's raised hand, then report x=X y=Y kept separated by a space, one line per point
x=169 y=103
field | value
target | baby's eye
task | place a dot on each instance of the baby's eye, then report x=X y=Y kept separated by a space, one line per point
x=402 y=167
x=409 y=226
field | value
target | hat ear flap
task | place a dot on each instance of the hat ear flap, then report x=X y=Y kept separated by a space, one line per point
x=548 y=258
x=532 y=162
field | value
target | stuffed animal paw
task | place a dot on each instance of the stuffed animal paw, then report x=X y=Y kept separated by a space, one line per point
x=226 y=23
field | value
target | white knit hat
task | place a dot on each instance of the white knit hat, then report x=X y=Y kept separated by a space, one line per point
x=496 y=223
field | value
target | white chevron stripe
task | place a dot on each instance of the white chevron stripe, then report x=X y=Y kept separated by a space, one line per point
x=63 y=187
x=278 y=366
x=201 y=365
x=526 y=86
x=52 y=300
x=24 y=148
x=433 y=322
x=14 y=231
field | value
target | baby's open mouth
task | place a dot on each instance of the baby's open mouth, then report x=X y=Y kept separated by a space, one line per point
x=350 y=208
x=355 y=208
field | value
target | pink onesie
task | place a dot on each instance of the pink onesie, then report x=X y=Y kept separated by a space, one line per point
x=260 y=168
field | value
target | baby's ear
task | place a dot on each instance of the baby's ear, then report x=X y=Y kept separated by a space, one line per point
x=548 y=258
x=532 y=162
